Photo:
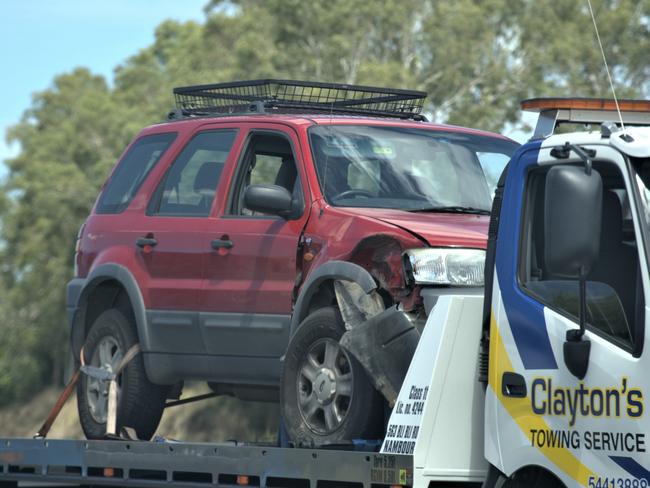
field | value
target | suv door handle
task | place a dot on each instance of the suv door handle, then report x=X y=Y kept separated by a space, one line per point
x=513 y=385
x=221 y=244
x=145 y=241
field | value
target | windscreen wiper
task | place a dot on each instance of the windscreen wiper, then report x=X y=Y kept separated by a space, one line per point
x=452 y=209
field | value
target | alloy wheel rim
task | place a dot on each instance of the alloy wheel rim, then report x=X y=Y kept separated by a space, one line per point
x=107 y=355
x=325 y=386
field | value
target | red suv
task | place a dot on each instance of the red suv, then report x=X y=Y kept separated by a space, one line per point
x=283 y=241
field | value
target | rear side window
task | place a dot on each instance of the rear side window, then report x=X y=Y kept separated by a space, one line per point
x=131 y=172
x=190 y=184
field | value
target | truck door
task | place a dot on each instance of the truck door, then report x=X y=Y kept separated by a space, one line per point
x=587 y=432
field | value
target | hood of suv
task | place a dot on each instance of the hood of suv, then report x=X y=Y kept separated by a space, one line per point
x=437 y=229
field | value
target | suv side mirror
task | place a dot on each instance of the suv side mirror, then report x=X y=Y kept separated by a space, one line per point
x=572 y=225
x=270 y=199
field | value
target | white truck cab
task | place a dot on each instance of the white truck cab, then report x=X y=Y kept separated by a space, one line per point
x=572 y=248
x=564 y=321
x=561 y=396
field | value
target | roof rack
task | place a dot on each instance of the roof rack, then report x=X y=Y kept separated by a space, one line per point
x=556 y=111
x=289 y=96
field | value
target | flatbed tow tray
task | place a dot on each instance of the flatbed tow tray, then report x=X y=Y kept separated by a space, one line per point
x=124 y=463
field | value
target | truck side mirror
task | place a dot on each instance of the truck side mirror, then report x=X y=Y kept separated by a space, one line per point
x=269 y=199
x=572 y=225
x=572 y=214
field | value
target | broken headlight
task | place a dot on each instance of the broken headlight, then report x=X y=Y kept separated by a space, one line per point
x=454 y=267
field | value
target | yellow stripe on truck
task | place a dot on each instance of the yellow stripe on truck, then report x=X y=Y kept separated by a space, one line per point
x=521 y=412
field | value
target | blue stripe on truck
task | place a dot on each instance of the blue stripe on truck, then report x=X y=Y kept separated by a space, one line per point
x=632 y=467
x=525 y=315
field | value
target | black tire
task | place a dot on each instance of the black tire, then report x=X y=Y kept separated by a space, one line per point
x=533 y=478
x=360 y=415
x=140 y=402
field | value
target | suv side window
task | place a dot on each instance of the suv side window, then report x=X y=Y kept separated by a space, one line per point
x=615 y=301
x=190 y=184
x=267 y=159
x=131 y=172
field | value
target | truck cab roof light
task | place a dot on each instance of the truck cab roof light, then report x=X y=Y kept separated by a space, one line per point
x=540 y=104
x=556 y=111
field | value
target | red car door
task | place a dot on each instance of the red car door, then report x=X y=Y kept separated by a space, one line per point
x=172 y=240
x=251 y=273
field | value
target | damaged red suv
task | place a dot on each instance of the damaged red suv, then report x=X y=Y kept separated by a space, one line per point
x=282 y=241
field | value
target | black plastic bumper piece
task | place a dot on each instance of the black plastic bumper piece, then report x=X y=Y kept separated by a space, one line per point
x=73 y=292
x=384 y=345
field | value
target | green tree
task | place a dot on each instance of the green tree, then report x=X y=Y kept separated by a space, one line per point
x=69 y=139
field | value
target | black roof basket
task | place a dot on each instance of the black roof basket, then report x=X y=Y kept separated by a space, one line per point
x=289 y=96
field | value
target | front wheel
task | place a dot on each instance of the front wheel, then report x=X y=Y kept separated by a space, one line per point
x=533 y=478
x=140 y=403
x=327 y=397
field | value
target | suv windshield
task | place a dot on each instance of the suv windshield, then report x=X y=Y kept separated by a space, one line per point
x=409 y=169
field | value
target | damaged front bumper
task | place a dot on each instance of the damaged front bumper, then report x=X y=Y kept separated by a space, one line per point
x=385 y=343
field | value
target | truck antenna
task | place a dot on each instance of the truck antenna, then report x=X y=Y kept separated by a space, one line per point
x=602 y=52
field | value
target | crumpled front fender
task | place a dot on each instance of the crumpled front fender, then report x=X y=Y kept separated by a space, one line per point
x=384 y=345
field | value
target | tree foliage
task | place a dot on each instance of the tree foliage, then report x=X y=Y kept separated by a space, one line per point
x=477 y=60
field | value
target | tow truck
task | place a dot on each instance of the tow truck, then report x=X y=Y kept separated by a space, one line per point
x=539 y=381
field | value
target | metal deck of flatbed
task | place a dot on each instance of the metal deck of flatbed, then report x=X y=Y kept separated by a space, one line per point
x=30 y=462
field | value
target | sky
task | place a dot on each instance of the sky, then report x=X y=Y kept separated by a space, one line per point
x=42 y=38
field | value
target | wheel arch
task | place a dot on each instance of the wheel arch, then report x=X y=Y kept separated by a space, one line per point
x=107 y=286
x=324 y=276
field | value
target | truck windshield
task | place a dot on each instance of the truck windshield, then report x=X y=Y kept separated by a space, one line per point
x=408 y=169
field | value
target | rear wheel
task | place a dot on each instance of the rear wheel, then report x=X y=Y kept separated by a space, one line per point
x=140 y=402
x=326 y=395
